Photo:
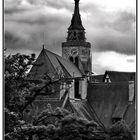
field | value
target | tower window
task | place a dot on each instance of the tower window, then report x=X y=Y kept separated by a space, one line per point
x=71 y=59
x=77 y=61
x=76 y=87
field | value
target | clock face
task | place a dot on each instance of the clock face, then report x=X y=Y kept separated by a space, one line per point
x=74 y=52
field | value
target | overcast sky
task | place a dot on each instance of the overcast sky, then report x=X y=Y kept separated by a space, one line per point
x=110 y=27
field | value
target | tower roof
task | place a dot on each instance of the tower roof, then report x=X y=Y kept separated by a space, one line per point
x=76 y=22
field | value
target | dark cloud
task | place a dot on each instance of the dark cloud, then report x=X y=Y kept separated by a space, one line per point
x=25 y=26
x=124 y=22
x=9 y=38
x=13 y=6
x=119 y=44
x=59 y=4
x=115 y=33
x=12 y=10
x=14 y=42
x=33 y=39
x=40 y=19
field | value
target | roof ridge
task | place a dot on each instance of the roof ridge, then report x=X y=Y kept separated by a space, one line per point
x=52 y=52
x=59 y=56
x=118 y=71
x=62 y=59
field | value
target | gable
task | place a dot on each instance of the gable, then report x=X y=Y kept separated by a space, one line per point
x=107 y=78
x=41 y=67
x=116 y=76
x=50 y=63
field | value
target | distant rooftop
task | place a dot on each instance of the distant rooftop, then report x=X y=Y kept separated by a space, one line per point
x=111 y=100
x=118 y=76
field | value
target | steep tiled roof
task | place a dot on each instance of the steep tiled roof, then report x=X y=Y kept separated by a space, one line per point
x=111 y=100
x=116 y=76
x=50 y=63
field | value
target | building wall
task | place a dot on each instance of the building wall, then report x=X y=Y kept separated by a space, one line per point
x=71 y=91
x=82 y=51
x=83 y=88
x=111 y=100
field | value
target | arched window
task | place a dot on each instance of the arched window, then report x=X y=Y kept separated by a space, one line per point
x=71 y=59
x=76 y=88
x=76 y=61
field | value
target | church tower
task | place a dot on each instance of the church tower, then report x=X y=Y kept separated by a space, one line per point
x=76 y=49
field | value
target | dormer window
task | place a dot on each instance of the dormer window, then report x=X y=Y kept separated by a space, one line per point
x=71 y=59
x=77 y=94
x=107 y=79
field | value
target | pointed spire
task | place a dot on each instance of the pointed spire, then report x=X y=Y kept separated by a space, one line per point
x=76 y=22
x=76 y=2
x=43 y=47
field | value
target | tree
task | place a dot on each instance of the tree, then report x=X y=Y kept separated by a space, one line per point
x=20 y=92
x=16 y=87
x=120 y=131
x=58 y=124
x=61 y=124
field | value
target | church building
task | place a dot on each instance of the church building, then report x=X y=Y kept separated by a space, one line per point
x=104 y=98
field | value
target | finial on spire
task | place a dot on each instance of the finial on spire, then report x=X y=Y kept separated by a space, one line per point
x=76 y=22
x=43 y=46
x=77 y=1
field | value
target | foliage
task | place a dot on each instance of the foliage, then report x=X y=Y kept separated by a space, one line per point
x=14 y=121
x=120 y=131
x=50 y=124
x=19 y=91
x=16 y=87
x=60 y=124
x=64 y=125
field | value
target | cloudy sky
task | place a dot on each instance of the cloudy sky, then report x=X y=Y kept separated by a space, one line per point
x=110 y=27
